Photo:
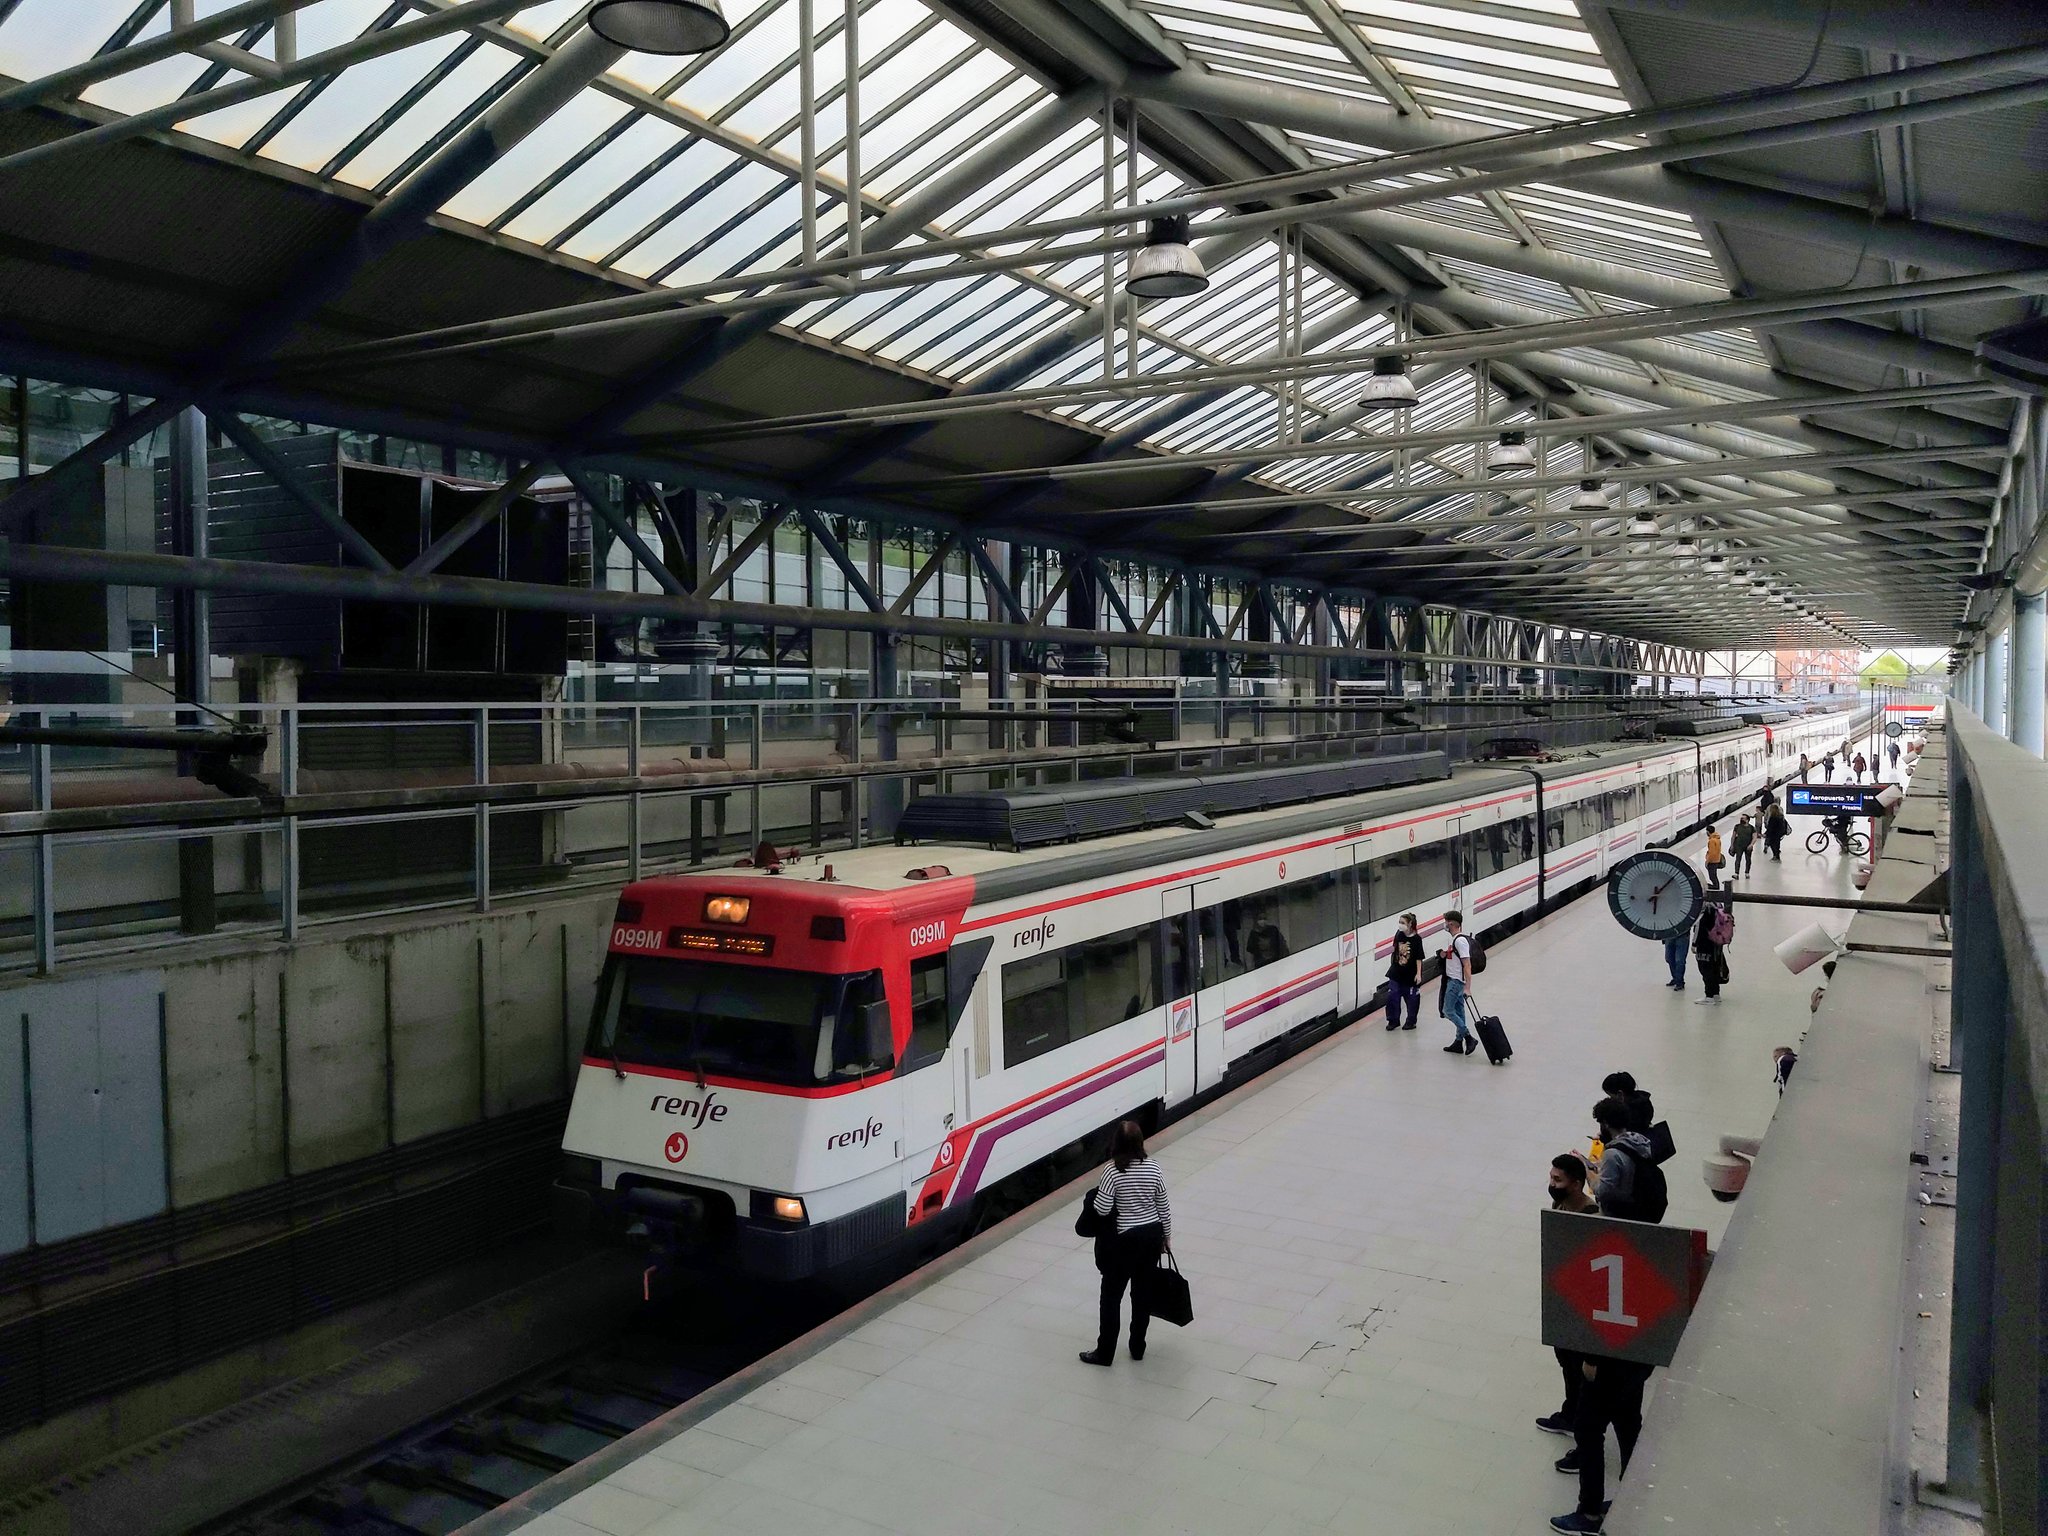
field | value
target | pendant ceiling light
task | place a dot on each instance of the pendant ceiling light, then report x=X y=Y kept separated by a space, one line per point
x=1717 y=565
x=1642 y=526
x=1591 y=496
x=1760 y=585
x=1167 y=268
x=1511 y=451
x=1389 y=388
x=661 y=26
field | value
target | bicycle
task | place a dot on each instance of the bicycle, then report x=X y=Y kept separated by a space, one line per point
x=1852 y=842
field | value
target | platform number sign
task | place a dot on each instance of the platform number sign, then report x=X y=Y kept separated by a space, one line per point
x=1623 y=1289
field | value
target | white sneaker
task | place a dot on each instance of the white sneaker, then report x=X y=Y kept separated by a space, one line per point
x=1706 y=1002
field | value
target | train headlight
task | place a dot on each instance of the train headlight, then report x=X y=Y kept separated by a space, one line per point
x=727 y=909
x=789 y=1208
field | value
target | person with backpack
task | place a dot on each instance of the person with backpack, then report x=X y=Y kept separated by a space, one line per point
x=1742 y=845
x=1805 y=767
x=1892 y=747
x=1827 y=768
x=1462 y=960
x=1630 y=1187
x=1404 y=973
x=1714 y=859
x=1710 y=949
x=1776 y=828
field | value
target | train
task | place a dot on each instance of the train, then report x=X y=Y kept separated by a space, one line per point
x=817 y=1061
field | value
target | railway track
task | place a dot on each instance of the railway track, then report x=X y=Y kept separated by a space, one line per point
x=433 y=1478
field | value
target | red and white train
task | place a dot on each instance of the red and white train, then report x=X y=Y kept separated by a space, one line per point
x=797 y=1067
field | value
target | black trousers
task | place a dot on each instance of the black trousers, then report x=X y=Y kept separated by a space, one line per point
x=1125 y=1260
x=1614 y=1396
x=1568 y=1363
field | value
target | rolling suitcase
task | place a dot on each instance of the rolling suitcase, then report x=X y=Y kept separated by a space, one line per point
x=1493 y=1039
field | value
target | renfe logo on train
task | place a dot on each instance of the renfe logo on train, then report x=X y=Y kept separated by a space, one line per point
x=699 y=1112
x=1033 y=937
x=859 y=1137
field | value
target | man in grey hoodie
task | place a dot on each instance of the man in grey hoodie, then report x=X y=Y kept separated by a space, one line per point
x=1625 y=1153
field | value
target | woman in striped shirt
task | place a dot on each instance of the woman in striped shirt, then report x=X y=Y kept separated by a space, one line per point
x=1134 y=1190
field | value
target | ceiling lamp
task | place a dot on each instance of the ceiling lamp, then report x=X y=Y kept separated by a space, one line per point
x=1167 y=268
x=1591 y=497
x=1717 y=565
x=1511 y=451
x=1760 y=585
x=661 y=26
x=1686 y=546
x=1642 y=525
x=1389 y=388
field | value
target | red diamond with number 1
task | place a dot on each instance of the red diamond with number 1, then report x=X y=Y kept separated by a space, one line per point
x=1614 y=1288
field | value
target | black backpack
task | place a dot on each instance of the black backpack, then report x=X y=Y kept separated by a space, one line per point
x=1478 y=952
x=1649 y=1196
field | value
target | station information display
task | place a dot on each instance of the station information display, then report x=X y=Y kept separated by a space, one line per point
x=1831 y=800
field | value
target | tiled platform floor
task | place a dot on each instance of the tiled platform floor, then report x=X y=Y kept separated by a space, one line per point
x=1361 y=1237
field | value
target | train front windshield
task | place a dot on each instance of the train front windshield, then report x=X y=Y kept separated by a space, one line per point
x=745 y=1021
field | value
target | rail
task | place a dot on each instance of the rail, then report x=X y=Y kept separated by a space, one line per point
x=350 y=811
x=1998 y=886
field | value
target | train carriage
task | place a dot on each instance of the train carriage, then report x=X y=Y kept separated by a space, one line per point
x=816 y=1060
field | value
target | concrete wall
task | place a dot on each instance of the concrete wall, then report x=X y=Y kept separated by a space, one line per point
x=130 y=1090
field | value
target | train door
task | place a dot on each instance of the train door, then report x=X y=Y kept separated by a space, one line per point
x=1354 y=991
x=1193 y=970
x=928 y=1073
x=1461 y=858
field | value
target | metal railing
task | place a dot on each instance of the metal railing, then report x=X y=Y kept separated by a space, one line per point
x=1998 y=891
x=360 y=811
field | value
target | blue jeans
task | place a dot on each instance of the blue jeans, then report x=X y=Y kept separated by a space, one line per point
x=1454 y=1008
x=1674 y=957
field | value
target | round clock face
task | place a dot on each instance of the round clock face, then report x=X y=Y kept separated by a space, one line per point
x=1655 y=895
x=1894 y=729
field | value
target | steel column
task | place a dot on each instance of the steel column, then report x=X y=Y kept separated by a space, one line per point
x=1993 y=712
x=2029 y=672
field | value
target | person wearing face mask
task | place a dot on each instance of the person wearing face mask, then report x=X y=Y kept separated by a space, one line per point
x=1568 y=1193
x=1404 y=974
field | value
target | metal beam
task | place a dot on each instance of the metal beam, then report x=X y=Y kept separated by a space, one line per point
x=1357 y=120
x=293 y=485
x=478 y=518
x=622 y=528
x=48 y=562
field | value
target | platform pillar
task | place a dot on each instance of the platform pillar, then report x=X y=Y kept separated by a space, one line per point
x=1992 y=711
x=2029 y=666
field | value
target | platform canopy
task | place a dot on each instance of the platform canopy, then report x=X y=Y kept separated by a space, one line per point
x=1724 y=264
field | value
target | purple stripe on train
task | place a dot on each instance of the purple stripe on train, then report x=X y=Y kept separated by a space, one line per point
x=970 y=1176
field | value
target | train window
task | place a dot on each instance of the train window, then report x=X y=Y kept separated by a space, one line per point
x=931 y=1019
x=1053 y=1000
x=756 y=1023
x=1034 y=1008
x=1410 y=879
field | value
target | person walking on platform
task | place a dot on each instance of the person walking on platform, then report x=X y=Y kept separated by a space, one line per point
x=1134 y=1191
x=1710 y=949
x=1742 y=845
x=1775 y=829
x=1827 y=768
x=1862 y=766
x=1892 y=750
x=1805 y=767
x=1568 y=1193
x=1714 y=859
x=1458 y=999
x=1404 y=974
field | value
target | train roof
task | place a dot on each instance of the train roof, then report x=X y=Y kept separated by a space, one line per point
x=1003 y=873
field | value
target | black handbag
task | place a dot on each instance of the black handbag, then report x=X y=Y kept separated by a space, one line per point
x=1663 y=1146
x=1166 y=1294
x=1091 y=1222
